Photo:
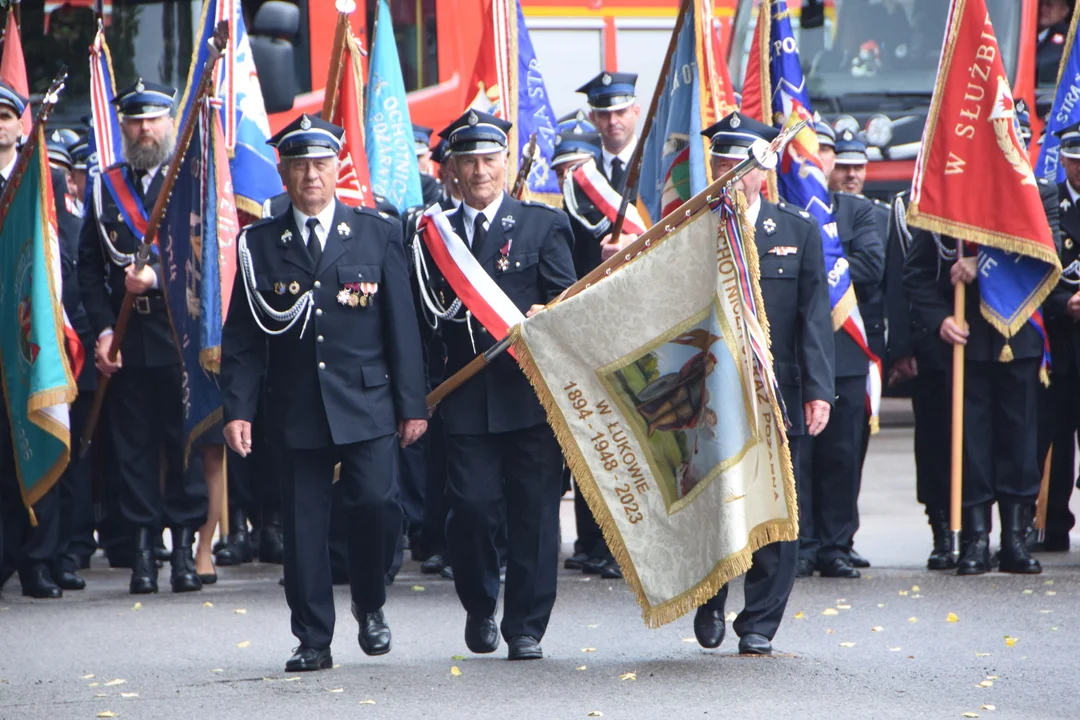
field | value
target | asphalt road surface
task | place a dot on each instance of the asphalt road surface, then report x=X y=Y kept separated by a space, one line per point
x=902 y=642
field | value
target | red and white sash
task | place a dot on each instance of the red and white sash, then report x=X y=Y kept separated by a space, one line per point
x=468 y=279
x=589 y=178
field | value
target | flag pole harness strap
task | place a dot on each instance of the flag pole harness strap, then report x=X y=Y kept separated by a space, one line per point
x=436 y=308
x=570 y=200
x=289 y=317
x=120 y=259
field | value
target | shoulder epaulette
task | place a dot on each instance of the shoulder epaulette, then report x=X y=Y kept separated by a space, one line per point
x=258 y=223
x=362 y=210
x=533 y=203
x=794 y=211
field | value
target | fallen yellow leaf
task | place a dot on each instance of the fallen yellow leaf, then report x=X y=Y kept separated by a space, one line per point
x=106 y=714
x=455 y=671
x=594 y=626
x=830 y=611
x=895 y=649
x=914 y=588
x=595 y=713
x=731 y=616
x=87 y=677
x=1048 y=582
x=988 y=707
x=102 y=695
x=1028 y=591
x=117 y=681
x=876 y=628
x=418 y=588
x=881 y=605
x=93 y=684
x=337 y=690
x=1053 y=629
x=903 y=592
x=1051 y=592
x=581 y=668
x=1010 y=640
x=240 y=611
x=844 y=607
x=369 y=701
x=129 y=695
x=588 y=649
x=847 y=644
x=981 y=654
x=689 y=640
x=244 y=644
x=217 y=670
x=952 y=618
x=628 y=676
x=991 y=677
x=208 y=604
x=336 y=666
x=137 y=606
x=292 y=679
x=830 y=631
x=986 y=684
x=970 y=715
x=913 y=619
x=799 y=615
x=1046 y=612
x=457 y=658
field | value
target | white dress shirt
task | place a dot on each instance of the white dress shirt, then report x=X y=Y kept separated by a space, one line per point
x=148 y=178
x=625 y=154
x=322 y=230
x=6 y=172
x=753 y=211
x=489 y=214
x=1073 y=194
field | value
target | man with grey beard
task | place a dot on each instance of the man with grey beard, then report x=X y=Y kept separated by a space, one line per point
x=144 y=408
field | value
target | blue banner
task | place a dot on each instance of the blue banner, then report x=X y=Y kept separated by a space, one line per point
x=390 y=150
x=535 y=114
x=190 y=246
x=243 y=115
x=37 y=376
x=673 y=162
x=1065 y=112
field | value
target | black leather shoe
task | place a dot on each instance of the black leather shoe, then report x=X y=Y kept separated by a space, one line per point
x=144 y=568
x=524 y=647
x=805 y=568
x=941 y=558
x=709 y=627
x=448 y=572
x=208 y=578
x=271 y=541
x=37 y=583
x=374 y=635
x=857 y=560
x=308 y=659
x=975 y=541
x=68 y=580
x=481 y=634
x=838 y=568
x=575 y=561
x=754 y=644
x=433 y=565
x=236 y=549
x=595 y=566
x=1015 y=557
x=183 y=578
x=612 y=571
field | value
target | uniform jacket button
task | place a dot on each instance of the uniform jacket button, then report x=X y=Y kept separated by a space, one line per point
x=322 y=366
x=318 y=312
x=318 y=284
x=319 y=339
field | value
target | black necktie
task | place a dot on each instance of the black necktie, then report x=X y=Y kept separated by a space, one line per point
x=478 y=232
x=616 y=174
x=313 y=244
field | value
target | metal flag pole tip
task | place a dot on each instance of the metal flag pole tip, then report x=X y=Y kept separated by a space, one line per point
x=345 y=7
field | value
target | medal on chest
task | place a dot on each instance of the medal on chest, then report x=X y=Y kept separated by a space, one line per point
x=503 y=263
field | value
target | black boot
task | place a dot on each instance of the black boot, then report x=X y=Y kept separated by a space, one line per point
x=941 y=557
x=161 y=553
x=143 y=566
x=184 y=578
x=975 y=541
x=1015 y=557
x=271 y=543
x=237 y=547
x=37 y=583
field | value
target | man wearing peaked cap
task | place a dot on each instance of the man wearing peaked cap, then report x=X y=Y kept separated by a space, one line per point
x=577 y=122
x=146 y=397
x=828 y=499
x=501 y=452
x=826 y=136
x=573 y=148
x=795 y=291
x=12 y=106
x=323 y=316
x=614 y=110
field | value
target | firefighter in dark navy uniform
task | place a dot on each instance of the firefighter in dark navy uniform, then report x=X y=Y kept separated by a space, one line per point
x=795 y=290
x=144 y=404
x=828 y=496
x=503 y=457
x=323 y=311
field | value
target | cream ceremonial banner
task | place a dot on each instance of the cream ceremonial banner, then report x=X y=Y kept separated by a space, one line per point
x=668 y=424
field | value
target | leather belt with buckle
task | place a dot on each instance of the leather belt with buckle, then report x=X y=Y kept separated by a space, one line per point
x=142 y=305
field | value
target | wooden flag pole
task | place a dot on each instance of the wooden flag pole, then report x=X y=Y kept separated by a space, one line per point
x=956 y=496
x=634 y=172
x=337 y=58
x=1044 y=496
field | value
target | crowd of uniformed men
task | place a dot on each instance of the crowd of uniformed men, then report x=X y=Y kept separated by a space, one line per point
x=340 y=323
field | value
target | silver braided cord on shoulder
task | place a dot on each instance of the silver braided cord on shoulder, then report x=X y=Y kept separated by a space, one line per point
x=120 y=259
x=570 y=200
x=434 y=310
x=254 y=297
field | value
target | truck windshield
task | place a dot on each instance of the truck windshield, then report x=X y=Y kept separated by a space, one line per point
x=152 y=40
x=852 y=48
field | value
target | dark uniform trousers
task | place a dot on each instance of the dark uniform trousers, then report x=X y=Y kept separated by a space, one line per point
x=145 y=404
x=334 y=392
x=503 y=460
x=931 y=393
x=370 y=496
x=829 y=494
x=794 y=288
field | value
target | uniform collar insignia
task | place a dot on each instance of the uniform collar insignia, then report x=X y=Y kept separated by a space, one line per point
x=286 y=236
x=1068 y=243
x=343 y=229
x=770 y=226
x=507 y=223
x=1066 y=204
